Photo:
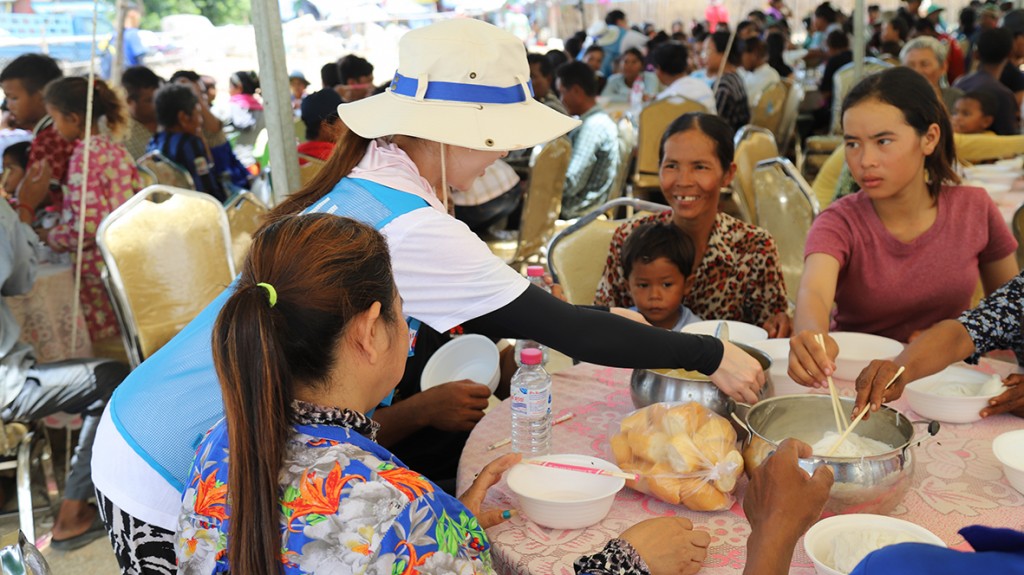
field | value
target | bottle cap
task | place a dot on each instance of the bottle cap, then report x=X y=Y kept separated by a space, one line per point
x=531 y=356
x=534 y=271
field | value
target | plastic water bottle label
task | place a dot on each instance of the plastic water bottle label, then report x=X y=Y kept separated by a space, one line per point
x=531 y=402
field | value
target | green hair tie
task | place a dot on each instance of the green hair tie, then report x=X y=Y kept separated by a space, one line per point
x=271 y=293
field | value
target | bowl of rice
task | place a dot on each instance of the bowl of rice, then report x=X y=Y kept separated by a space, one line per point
x=837 y=544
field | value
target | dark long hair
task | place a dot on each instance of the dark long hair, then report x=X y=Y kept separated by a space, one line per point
x=70 y=95
x=909 y=92
x=325 y=270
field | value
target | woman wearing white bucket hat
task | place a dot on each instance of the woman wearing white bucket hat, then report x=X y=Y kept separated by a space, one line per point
x=461 y=99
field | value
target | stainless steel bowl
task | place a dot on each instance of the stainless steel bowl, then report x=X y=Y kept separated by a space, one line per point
x=647 y=386
x=873 y=484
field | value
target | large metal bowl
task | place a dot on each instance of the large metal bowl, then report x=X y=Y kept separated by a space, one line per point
x=873 y=484
x=647 y=386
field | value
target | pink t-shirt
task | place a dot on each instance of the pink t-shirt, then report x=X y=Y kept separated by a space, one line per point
x=890 y=288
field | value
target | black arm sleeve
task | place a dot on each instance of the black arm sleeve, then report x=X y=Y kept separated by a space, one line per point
x=597 y=337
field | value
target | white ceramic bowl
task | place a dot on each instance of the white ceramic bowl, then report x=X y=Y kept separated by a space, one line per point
x=1009 y=450
x=738 y=331
x=819 y=540
x=562 y=499
x=949 y=408
x=472 y=357
x=856 y=350
x=778 y=350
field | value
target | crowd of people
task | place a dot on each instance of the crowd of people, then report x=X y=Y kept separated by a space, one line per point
x=284 y=429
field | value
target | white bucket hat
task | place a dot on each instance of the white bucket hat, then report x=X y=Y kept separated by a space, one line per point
x=463 y=83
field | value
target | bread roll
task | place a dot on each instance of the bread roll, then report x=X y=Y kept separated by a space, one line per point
x=683 y=455
x=685 y=419
x=730 y=469
x=700 y=495
x=648 y=445
x=620 y=448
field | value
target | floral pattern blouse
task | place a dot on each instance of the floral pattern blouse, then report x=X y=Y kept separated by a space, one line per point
x=998 y=321
x=739 y=277
x=347 y=506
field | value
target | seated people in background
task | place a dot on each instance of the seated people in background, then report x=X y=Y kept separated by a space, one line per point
x=993 y=50
x=297 y=84
x=594 y=57
x=329 y=76
x=670 y=64
x=494 y=196
x=32 y=391
x=954 y=55
x=730 y=93
x=320 y=115
x=355 y=78
x=229 y=169
x=927 y=57
x=757 y=74
x=974 y=113
x=140 y=85
x=839 y=55
x=181 y=123
x=133 y=49
x=776 y=43
x=15 y=160
x=895 y=31
x=737 y=276
x=631 y=69
x=109 y=180
x=9 y=133
x=542 y=76
x=23 y=81
x=312 y=396
x=614 y=37
x=900 y=255
x=657 y=259
x=595 y=144
x=245 y=116
x=1012 y=77
x=823 y=22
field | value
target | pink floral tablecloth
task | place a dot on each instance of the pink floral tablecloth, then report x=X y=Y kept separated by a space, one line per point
x=957 y=482
x=44 y=315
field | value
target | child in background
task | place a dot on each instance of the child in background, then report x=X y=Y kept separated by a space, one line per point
x=246 y=116
x=110 y=181
x=974 y=112
x=657 y=259
x=15 y=160
x=181 y=122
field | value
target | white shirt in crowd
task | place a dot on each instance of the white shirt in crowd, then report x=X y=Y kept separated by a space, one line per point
x=693 y=89
x=757 y=80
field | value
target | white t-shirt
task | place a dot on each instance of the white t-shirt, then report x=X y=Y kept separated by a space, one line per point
x=687 y=87
x=757 y=80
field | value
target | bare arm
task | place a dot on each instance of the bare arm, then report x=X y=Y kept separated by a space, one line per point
x=808 y=364
x=995 y=274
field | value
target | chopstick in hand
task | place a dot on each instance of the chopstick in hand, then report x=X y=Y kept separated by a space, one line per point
x=837 y=406
x=861 y=415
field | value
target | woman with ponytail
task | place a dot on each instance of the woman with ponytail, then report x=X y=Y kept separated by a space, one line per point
x=110 y=180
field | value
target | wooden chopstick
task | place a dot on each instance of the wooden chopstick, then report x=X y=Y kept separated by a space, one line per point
x=861 y=415
x=837 y=406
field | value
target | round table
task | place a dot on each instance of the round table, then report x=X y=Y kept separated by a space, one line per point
x=957 y=482
x=44 y=315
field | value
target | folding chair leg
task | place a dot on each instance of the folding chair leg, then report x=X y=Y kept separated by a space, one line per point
x=24 y=479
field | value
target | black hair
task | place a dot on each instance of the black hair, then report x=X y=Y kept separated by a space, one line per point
x=721 y=40
x=329 y=75
x=555 y=58
x=711 y=126
x=744 y=25
x=994 y=46
x=698 y=32
x=826 y=12
x=655 y=240
x=574 y=45
x=34 y=70
x=776 y=43
x=634 y=52
x=593 y=48
x=987 y=100
x=901 y=27
x=546 y=69
x=171 y=99
x=19 y=153
x=874 y=8
x=352 y=67
x=614 y=16
x=245 y=80
x=187 y=75
x=837 y=40
x=968 y=18
x=924 y=26
x=671 y=58
x=578 y=74
x=755 y=46
x=890 y=47
x=910 y=93
x=660 y=38
x=138 y=78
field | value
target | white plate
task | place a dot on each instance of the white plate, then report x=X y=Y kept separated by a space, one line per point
x=472 y=357
x=738 y=331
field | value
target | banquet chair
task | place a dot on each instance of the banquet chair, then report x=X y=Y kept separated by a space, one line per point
x=168 y=254
x=770 y=109
x=309 y=167
x=627 y=144
x=654 y=119
x=146 y=176
x=542 y=204
x=753 y=145
x=165 y=171
x=25 y=448
x=577 y=254
x=1018 y=232
x=790 y=113
x=844 y=80
x=786 y=206
x=245 y=215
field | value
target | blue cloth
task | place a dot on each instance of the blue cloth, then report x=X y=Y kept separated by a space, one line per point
x=167 y=404
x=134 y=51
x=686 y=317
x=189 y=152
x=997 y=551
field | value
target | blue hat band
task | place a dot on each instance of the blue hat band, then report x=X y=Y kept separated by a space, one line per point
x=459 y=92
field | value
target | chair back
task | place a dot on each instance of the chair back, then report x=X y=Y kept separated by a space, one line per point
x=309 y=167
x=146 y=177
x=771 y=107
x=1018 y=232
x=790 y=113
x=786 y=206
x=165 y=171
x=577 y=254
x=753 y=145
x=168 y=254
x=844 y=80
x=245 y=215
x=543 y=200
x=627 y=143
x=654 y=119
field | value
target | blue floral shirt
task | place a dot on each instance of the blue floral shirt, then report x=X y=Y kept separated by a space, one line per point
x=347 y=506
x=998 y=321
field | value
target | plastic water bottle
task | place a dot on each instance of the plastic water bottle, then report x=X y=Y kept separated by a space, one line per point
x=535 y=274
x=531 y=406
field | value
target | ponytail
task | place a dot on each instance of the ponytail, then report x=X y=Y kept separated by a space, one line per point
x=70 y=94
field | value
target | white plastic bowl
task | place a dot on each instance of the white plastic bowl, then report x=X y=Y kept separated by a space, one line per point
x=472 y=357
x=1009 y=450
x=856 y=350
x=778 y=350
x=738 y=331
x=819 y=539
x=949 y=408
x=562 y=499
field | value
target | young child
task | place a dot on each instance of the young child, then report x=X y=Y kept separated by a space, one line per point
x=111 y=180
x=657 y=259
x=974 y=112
x=15 y=161
x=177 y=111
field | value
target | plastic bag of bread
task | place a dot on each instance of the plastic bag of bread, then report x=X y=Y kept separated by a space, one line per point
x=683 y=454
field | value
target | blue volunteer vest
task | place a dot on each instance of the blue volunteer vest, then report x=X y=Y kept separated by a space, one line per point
x=166 y=405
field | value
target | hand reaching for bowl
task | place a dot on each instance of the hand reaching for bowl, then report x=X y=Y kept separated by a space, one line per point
x=739 y=375
x=473 y=498
x=456 y=405
x=779 y=325
x=1010 y=401
x=668 y=545
x=872 y=382
x=809 y=365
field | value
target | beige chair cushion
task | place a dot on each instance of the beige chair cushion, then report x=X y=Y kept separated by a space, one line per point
x=245 y=216
x=771 y=107
x=785 y=207
x=579 y=260
x=165 y=171
x=753 y=148
x=654 y=119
